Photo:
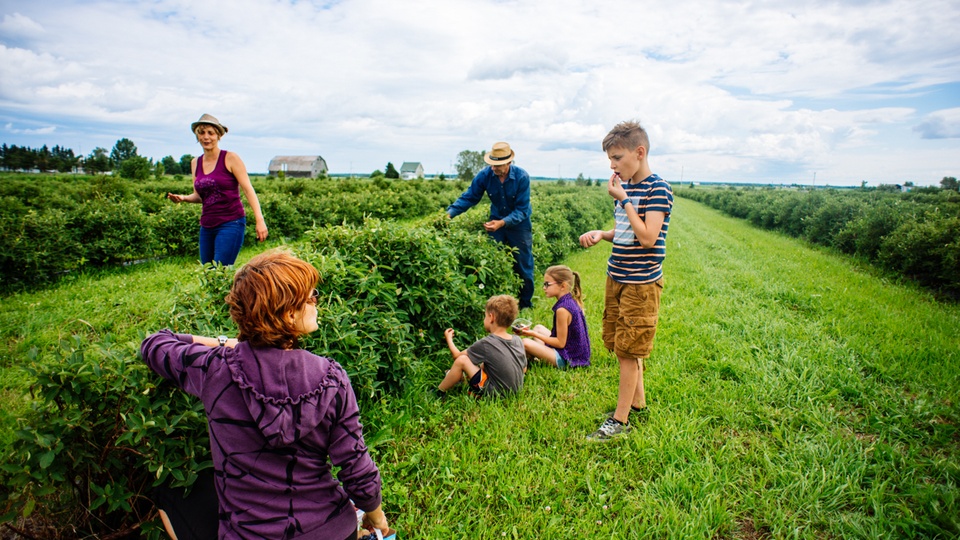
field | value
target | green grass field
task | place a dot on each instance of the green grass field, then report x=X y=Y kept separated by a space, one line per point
x=793 y=393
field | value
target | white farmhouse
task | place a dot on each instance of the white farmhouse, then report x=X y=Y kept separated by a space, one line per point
x=411 y=170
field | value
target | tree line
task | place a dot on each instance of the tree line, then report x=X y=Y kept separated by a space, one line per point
x=470 y=162
x=46 y=159
x=123 y=160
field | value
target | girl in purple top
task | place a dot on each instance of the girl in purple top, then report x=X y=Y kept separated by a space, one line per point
x=280 y=418
x=568 y=343
x=218 y=177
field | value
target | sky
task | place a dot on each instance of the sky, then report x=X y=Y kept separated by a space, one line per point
x=768 y=92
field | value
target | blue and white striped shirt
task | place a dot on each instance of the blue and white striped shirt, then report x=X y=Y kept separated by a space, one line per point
x=629 y=261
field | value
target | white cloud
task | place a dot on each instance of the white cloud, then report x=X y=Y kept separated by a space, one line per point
x=505 y=63
x=15 y=24
x=728 y=89
x=944 y=124
x=48 y=130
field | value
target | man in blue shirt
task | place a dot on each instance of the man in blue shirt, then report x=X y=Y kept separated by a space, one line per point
x=508 y=187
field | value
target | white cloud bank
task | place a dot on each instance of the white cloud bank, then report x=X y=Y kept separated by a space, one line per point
x=772 y=92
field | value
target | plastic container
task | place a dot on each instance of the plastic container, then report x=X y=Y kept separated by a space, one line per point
x=520 y=324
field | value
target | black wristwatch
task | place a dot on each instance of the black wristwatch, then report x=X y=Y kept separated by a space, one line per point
x=222 y=340
x=623 y=203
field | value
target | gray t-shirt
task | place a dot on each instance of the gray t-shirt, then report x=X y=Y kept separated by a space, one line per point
x=503 y=361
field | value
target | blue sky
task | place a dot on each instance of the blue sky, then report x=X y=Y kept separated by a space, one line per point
x=764 y=92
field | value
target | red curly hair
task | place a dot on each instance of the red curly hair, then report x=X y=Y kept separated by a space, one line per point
x=264 y=292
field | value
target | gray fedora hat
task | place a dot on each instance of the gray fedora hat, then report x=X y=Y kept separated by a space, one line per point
x=209 y=119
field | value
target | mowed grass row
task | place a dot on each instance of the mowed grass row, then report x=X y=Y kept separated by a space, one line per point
x=793 y=394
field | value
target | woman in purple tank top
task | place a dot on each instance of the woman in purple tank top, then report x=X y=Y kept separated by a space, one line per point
x=218 y=177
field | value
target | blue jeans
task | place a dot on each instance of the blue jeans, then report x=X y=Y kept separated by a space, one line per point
x=522 y=240
x=221 y=244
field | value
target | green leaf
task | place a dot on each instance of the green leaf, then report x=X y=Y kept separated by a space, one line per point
x=46 y=459
x=28 y=507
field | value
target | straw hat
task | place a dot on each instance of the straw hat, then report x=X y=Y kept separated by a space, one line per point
x=209 y=120
x=501 y=154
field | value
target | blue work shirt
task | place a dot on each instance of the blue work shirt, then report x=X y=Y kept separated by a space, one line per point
x=509 y=200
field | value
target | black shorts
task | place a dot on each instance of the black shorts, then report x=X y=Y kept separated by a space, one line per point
x=478 y=382
x=196 y=517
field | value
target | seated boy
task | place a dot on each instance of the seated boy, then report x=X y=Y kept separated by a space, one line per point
x=495 y=364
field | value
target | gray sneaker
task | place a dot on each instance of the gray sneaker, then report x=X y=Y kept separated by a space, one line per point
x=609 y=429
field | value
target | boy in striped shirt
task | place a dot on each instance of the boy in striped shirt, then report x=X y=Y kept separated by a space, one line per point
x=643 y=202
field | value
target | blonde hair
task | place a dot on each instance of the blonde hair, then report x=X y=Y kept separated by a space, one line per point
x=564 y=274
x=627 y=135
x=504 y=309
x=218 y=129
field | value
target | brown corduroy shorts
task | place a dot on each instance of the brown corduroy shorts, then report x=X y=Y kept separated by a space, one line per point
x=630 y=317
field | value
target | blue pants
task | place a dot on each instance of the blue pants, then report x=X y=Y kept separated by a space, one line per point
x=522 y=240
x=221 y=244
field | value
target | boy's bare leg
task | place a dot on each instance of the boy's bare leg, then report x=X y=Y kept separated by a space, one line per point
x=639 y=396
x=630 y=381
x=461 y=366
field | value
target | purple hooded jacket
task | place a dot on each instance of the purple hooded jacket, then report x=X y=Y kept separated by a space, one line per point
x=278 y=419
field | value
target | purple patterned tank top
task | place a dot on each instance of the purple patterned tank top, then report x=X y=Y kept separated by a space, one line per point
x=577 y=351
x=220 y=193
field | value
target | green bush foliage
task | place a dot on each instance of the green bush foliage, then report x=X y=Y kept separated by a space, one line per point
x=912 y=234
x=136 y=168
x=34 y=246
x=172 y=225
x=102 y=432
x=928 y=252
x=75 y=222
x=574 y=210
x=435 y=278
x=62 y=224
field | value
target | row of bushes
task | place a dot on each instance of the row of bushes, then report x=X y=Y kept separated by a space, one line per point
x=103 y=430
x=913 y=235
x=52 y=227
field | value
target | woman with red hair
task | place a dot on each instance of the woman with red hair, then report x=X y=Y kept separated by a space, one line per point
x=279 y=417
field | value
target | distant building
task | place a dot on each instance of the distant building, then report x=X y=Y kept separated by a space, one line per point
x=411 y=170
x=298 y=166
